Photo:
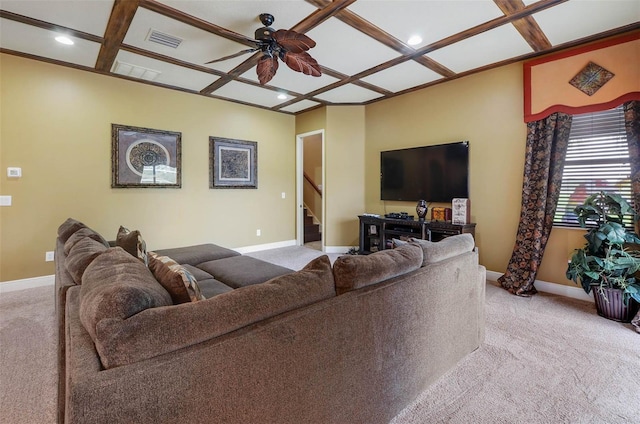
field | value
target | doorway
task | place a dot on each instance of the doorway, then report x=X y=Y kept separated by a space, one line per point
x=310 y=196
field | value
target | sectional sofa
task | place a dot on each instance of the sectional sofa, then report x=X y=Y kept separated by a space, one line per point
x=202 y=334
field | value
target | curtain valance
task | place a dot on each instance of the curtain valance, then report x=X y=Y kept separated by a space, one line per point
x=589 y=78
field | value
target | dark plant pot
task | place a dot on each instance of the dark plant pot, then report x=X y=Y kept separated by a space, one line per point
x=614 y=308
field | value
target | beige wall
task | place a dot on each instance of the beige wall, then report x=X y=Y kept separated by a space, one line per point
x=487 y=110
x=55 y=125
x=344 y=149
x=344 y=169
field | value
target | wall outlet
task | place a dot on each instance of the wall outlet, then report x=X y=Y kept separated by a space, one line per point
x=48 y=256
x=284 y=195
x=258 y=233
x=5 y=200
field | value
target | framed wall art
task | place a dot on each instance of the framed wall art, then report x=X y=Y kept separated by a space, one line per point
x=145 y=157
x=233 y=163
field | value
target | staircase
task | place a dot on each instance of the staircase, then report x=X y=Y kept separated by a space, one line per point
x=311 y=230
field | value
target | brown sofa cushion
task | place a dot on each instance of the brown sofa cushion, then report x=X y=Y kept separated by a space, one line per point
x=117 y=286
x=212 y=287
x=445 y=249
x=353 y=272
x=79 y=235
x=194 y=255
x=81 y=255
x=241 y=271
x=68 y=227
x=133 y=243
x=196 y=272
x=156 y=331
x=177 y=280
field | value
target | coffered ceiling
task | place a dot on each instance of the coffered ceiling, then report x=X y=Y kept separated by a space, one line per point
x=362 y=46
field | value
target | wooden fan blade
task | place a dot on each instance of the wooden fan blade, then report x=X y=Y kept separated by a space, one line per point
x=231 y=56
x=302 y=62
x=292 y=41
x=266 y=69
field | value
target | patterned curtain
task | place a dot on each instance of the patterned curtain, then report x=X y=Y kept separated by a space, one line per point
x=547 y=141
x=632 y=127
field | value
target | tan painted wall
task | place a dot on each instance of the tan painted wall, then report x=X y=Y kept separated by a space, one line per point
x=311 y=121
x=344 y=168
x=487 y=110
x=55 y=125
x=344 y=162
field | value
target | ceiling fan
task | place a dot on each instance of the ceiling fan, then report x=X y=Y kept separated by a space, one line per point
x=290 y=46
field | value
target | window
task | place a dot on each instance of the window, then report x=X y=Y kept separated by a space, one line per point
x=597 y=159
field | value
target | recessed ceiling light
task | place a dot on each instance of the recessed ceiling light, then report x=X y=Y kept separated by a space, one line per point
x=282 y=96
x=64 y=40
x=414 y=39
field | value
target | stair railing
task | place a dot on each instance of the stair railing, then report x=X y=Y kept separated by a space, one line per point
x=310 y=181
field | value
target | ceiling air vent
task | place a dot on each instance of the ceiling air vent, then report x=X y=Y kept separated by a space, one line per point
x=167 y=40
x=134 y=71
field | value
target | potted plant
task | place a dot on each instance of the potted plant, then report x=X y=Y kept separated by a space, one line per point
x=607 y=264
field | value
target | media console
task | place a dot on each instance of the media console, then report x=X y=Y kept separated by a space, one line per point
x=377 y=232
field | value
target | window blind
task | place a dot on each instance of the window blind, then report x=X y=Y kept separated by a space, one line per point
x=597 y=159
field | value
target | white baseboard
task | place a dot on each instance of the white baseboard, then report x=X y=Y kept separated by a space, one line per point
x=27 y=283
x=337 y=249
x=267 y=246
x=553 y=288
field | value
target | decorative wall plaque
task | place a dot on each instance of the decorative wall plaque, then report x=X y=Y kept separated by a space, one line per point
x=591 y=78
x=145 y=157
x=461 y=211
x=233 y=163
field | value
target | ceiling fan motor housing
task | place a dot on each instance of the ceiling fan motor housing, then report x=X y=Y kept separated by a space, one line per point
x=266 y=33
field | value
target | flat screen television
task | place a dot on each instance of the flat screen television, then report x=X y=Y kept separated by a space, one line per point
x=433 y=173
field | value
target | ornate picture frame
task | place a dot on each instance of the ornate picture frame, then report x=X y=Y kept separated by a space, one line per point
x=145 y=157
x=233 y=163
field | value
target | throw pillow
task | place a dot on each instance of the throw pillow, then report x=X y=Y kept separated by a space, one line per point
x=352 y=272
x=176 y=279
x=81 y=255
x=132 y=242
x=446 y=248
x=79 y=235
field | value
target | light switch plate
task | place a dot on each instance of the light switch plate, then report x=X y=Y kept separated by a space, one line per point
x=5 y=200
x=14 y=172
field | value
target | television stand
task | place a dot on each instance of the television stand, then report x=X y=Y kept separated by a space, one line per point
x=377 y=232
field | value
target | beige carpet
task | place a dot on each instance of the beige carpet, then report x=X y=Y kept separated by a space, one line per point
x=28 y=372
x=547 y=359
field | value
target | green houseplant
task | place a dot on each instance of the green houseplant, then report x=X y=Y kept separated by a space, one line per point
x=607 y=264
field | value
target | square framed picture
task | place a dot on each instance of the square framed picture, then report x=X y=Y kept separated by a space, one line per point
x=233 y=163
x=145 y=157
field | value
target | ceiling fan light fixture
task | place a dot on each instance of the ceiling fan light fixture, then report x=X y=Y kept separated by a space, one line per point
x=414 y=40
x=64 y=40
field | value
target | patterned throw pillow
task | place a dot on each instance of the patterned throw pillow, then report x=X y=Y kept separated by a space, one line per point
x=133 y=243
x=176 y=279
